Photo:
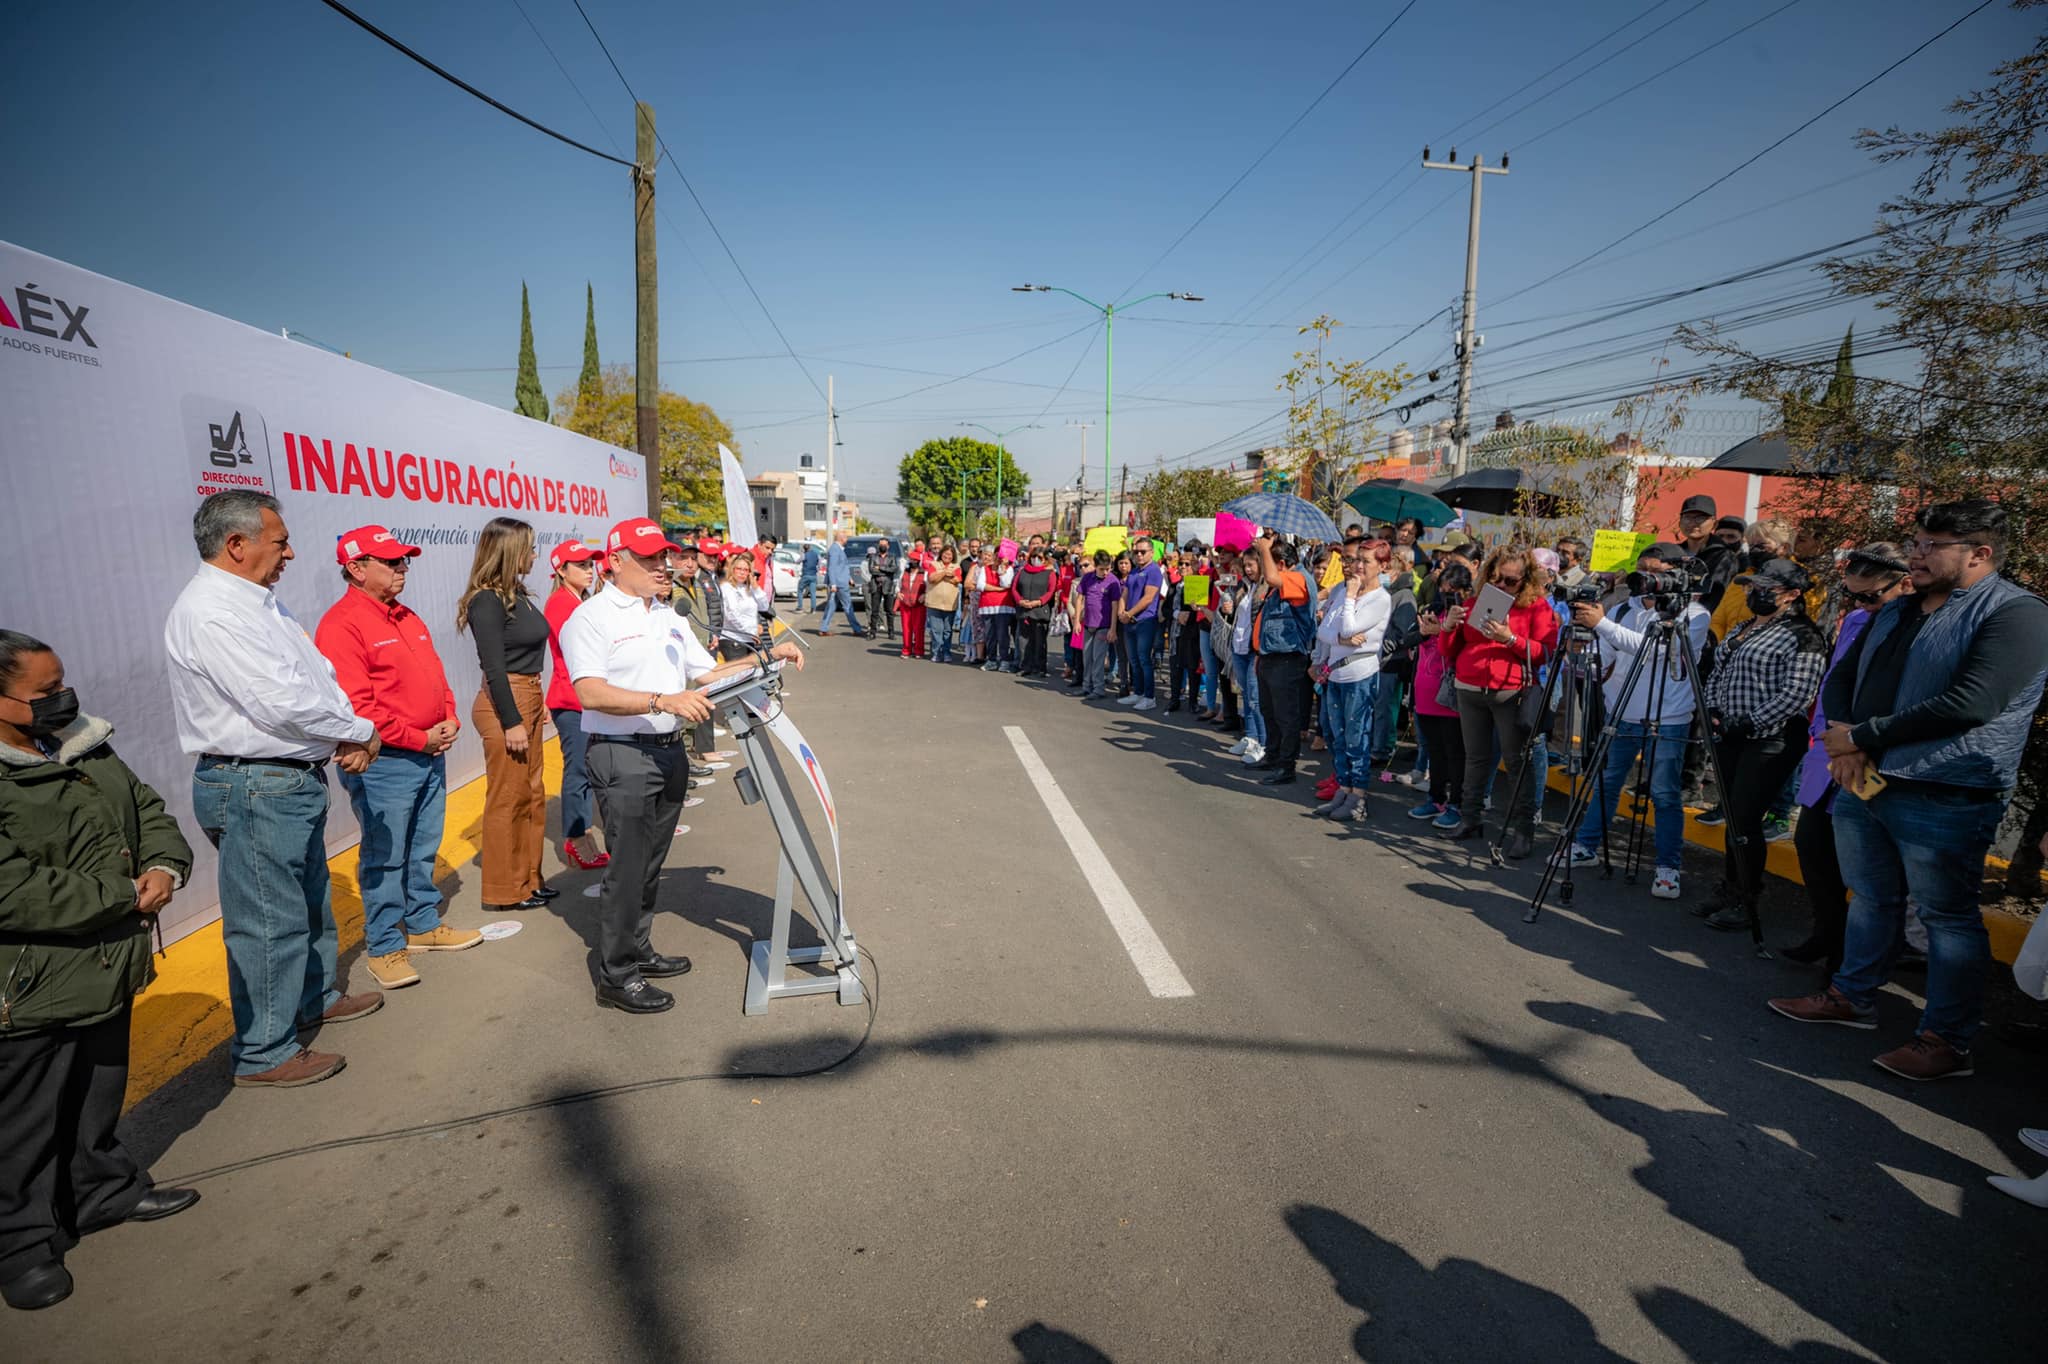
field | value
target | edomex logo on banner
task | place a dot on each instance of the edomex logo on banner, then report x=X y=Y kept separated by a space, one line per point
x=47 y=315
x=229 y=443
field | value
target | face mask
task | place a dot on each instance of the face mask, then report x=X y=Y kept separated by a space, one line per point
x=49 y=714
x=1763 y=601
x=1386 y=578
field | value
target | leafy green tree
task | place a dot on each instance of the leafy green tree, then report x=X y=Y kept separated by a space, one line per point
x=688 y=436
x=1333 y=406
x=527 y=398
x=591 y=382
x=863 y=526
x=1169 y=494
x=928 y=485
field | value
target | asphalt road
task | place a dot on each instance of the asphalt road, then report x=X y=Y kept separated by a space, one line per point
x=1390 y=1121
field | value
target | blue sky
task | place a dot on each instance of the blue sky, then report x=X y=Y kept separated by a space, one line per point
x=885 y=172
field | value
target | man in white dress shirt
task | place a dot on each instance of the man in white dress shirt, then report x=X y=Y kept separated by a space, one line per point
x=632 y=660
x=259 y=708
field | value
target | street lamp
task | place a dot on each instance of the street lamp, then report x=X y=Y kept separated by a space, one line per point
x=964 y=475
x=1108 y=311
x=1001 y=457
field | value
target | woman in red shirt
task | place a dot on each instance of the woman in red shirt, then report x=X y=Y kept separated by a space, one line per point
x=1491 y=668
x=575 y=572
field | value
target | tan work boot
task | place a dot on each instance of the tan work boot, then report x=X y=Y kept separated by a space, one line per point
x=393 y=970
x=307 y=1068
x=443 y=939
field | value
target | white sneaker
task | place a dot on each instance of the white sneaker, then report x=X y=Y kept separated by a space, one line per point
x=1130 y=700
x=1665 y=887
x=2035 y=1137
x=1146 y=703
x=1237 y=749
x=1583 y=856
x=721 y=732
x=1254 y=755
x=1419 y=780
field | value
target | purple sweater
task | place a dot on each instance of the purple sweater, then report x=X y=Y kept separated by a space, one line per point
x=1816 y=787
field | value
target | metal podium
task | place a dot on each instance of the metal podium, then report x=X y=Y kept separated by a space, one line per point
x=750 y=705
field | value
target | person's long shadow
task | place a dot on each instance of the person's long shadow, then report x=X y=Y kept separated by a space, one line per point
x=1042 y=1344
x=636 y=1245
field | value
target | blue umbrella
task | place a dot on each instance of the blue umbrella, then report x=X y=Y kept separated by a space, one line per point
x=1286 y=514
x=1394 y=499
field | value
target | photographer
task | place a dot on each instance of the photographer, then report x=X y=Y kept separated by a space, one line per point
x=1757 y=701
x=1655 y=718
x=1494 y=668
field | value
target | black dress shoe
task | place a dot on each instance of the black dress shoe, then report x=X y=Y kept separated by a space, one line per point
x=1728 y=919
x=1281 y=777
x=661 y=967
x=700 y=770
x=162 y=1203
x=1516 y=846
x=44 y=1286
x=636 y=996
x=1266 y=765
x=545 y=892
x=530 y=902
x=1469 y=829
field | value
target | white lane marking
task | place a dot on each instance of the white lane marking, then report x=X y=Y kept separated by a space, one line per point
x=1147 y=953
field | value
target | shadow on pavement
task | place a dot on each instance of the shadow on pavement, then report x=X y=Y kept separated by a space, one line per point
x=1042 y=1344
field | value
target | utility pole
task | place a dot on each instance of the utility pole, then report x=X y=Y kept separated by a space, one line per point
x=646 y=310
x=831 y=464
x=1468 y=339
x=1123 y=497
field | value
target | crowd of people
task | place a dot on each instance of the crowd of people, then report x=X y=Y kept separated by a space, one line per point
x=1872 y=701
x=1869 y=703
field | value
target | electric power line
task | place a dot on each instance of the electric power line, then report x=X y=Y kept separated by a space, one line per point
x=360 y=22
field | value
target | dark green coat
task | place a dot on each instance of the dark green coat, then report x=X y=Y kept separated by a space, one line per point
x=75 y=832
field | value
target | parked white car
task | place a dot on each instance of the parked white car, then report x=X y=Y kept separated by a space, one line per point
x=784 y=566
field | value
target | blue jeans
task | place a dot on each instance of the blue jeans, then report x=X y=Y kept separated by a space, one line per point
x=1926 y=844
x=941 y=623
x=399 y=803
x=1210 y=675
x=269 y=824
x=807 y=592
x=1386 y=720
x=839 y=598
x=575 y=773
x=1248 y=694
x=1666 y=777
x=1348 y=707
x=1144 y=637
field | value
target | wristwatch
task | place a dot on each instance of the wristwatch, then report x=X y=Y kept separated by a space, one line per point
x=654 y=703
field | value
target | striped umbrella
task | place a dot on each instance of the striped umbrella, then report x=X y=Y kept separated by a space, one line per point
x=1285 y=514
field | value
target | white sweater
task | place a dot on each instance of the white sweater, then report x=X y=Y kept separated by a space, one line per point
x=1344 y=617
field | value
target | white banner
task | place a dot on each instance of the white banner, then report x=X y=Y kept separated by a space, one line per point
x=739 y=501
x=124 y=408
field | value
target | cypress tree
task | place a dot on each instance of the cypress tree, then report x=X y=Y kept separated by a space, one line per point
x=590 y=386
x=527 y=398
x=1841 y=394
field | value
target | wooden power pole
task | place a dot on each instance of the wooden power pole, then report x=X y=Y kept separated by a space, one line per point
x=647 y=309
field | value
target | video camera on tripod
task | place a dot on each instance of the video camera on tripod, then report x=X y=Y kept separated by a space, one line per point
x=1668 y=590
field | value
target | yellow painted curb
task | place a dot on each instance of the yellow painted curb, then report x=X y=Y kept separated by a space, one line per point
x=2007 y=931
x=184 y=1014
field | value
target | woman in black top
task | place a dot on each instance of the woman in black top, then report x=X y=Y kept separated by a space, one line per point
x=511 y=640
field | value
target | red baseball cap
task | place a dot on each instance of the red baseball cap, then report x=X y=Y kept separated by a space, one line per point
x=371 y=542
x=711 y=547
x=571 y=552
x=640 y=535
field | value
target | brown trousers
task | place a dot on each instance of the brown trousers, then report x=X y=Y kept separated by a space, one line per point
x=515 y=796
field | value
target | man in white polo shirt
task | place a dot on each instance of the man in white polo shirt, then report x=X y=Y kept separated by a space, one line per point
x=632 y=660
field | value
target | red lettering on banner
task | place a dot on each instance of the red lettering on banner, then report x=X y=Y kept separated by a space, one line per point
x=552 y=491
x=409 y=476
x=388 y=484
x=472 y=491
x=291 y=458
x=451 y=480
x=494 y=486
x=319 y=464
x=531 y=489
x=431 y=479
x=352 y=470
x=604 y=504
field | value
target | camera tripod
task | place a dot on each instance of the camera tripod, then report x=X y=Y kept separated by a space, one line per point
x=1664 y=640
x=1571 y=695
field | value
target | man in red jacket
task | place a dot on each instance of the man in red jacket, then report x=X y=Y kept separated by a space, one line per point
x=385 y=660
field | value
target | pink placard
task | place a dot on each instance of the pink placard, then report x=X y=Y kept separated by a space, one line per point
x=1233 y=532
x=1007 y=551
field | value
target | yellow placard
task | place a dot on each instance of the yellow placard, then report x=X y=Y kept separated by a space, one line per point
x=1194 y=590
x=1616 y=551
x=1114 y=539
